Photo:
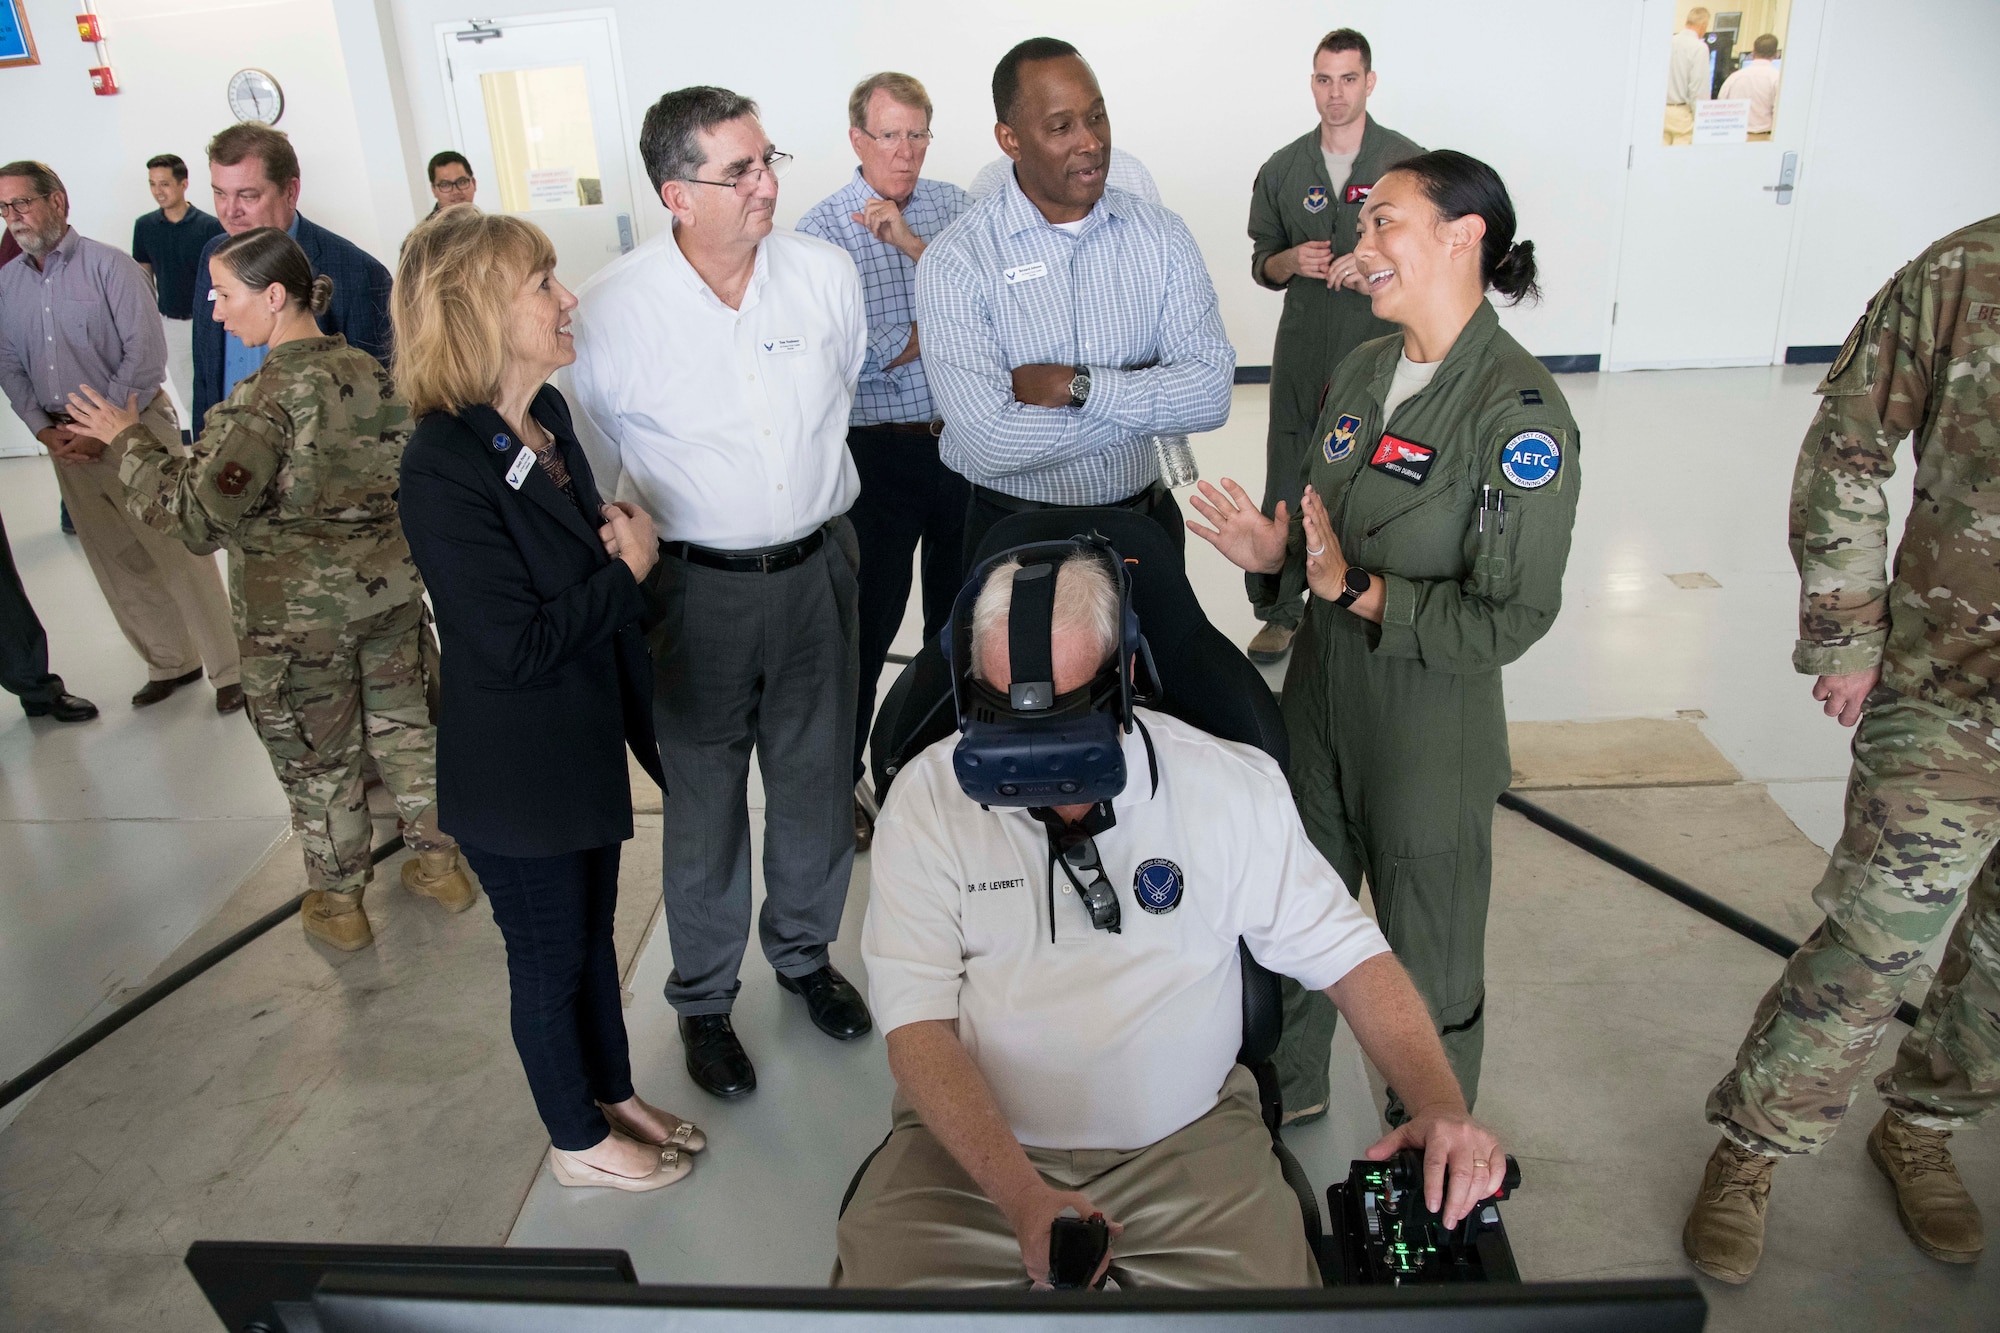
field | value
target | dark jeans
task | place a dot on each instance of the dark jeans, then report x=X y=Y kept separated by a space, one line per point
x=908 y=496
x=988 y=507
x=24 y=648
x=568 y=1016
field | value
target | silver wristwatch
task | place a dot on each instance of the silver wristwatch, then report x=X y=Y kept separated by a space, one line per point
x=1079 y=387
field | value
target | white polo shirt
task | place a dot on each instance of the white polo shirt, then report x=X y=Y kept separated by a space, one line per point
x=1095 y=1040
x=728 y=426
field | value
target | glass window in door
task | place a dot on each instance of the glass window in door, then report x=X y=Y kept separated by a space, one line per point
x=1724 y=72
x=544 y=146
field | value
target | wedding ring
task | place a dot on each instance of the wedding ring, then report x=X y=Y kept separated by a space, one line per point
x=1479 y=1163
x=1320 y=551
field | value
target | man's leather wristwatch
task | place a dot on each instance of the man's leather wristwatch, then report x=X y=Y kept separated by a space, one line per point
x=1079 y=387
x=1353 y=583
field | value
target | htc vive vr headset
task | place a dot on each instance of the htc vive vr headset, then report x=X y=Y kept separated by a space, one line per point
x=1030 y=746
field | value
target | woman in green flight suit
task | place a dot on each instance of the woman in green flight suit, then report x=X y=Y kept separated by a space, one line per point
x=1439 y=497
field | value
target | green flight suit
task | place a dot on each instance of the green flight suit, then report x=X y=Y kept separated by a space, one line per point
x=1319 y=326
x=1398 y=731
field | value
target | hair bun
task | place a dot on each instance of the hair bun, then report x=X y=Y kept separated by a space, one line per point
x=322 y=294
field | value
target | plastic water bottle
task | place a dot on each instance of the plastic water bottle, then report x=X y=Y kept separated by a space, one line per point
x=1177 y=465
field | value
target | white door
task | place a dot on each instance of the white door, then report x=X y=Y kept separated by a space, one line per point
x=538 y=109
x=1708 y=225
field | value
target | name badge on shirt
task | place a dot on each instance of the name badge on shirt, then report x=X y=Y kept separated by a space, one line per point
x=1025 y=272
x=517 y=471
x=1405 y=460
x=780 y=346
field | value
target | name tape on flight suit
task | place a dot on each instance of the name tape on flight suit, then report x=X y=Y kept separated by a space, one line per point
x=1531 y=460
x=1339 y=441
x=1358 y=194
x=1404 y=460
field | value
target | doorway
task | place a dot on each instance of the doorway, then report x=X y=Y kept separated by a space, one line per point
x=1711 y=182
x=537 y=108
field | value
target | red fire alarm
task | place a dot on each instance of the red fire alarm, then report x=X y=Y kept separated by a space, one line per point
x=102 y=81
x=89 y=27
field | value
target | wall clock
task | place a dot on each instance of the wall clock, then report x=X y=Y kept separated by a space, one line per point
x=255 y=96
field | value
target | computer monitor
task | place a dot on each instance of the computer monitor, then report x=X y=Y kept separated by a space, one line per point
x=349 y=1302
x=265 y=1287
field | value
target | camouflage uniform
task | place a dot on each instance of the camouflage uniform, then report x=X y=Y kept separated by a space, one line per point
x=296 y=475
x=1923 y=802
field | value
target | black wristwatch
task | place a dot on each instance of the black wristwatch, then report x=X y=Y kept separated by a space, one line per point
x=1079 y=387
x=1353 y=583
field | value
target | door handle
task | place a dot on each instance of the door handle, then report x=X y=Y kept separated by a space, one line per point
x=624 y=233
x=1788 y=171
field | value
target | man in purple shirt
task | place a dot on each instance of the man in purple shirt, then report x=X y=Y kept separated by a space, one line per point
x=76 y=312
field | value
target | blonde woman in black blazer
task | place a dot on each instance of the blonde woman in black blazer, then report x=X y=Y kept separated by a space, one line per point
x=546 y=680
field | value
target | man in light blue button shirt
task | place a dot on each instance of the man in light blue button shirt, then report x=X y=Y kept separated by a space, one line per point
x=1064 y=323
x=884 y=217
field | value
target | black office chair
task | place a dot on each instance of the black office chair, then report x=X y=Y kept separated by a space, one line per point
x=1205 y=681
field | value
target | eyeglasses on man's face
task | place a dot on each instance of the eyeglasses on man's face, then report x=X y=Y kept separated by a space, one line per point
x=775 y=164
x=458 y=185
x=895 y=139
x=18 y=208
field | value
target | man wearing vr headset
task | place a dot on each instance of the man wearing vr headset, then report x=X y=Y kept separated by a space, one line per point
x=1051 y=944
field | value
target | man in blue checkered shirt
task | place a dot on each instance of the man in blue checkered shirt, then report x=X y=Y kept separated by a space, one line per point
x=885 y=217
x=1064 y=323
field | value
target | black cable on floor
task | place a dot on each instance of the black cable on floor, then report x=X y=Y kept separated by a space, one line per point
x=1749 y=927
x=15 y=1088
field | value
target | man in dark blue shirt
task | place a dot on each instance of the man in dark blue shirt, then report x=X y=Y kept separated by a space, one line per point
x=256 y=179
x=168 y=243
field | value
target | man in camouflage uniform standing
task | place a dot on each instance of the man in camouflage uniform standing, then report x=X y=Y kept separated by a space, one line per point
x=1916 y=659
x=296 y=475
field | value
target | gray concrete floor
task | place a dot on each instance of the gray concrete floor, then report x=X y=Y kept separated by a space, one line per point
x=294 y=1093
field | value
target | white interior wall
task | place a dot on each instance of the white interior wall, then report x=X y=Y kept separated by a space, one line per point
x=173 y=60
x=1900 y=150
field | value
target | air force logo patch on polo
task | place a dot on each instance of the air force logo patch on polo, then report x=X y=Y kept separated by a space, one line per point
x=1157 y=885
x=1339 y=441
x=1316 y=199
x=1531 y=460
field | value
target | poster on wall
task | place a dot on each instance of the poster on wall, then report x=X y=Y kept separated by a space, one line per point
x=17 y=44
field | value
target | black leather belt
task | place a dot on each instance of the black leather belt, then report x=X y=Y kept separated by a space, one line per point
x=768 y=560
x=1016 y=505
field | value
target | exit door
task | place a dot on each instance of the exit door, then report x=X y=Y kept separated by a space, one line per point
x=538 y=109
x=1709 y=219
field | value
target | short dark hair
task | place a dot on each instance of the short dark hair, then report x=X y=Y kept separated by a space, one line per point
x=271 y=147
x=168 y=162
x=445 y=159
x=41 y=173
x=1765 y=47
x=1347 y=39
x=1007 y=74
x=1459 y=185
x=668 y=136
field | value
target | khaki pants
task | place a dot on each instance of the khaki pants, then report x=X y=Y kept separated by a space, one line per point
x=180 y=370
x=169 y=602
x=1206 y=1207
x=1679 y=128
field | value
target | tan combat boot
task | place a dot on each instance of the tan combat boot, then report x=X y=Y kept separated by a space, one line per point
x=1724 y=1235
x=337 y=919
x=440 y=875
x=1270 y=644
x=1932 y=1201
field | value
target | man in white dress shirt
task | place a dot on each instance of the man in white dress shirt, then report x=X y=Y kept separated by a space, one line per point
x=715 y=370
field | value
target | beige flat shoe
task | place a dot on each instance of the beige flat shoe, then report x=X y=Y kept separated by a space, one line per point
x=686 y=1134
x=572 y=1170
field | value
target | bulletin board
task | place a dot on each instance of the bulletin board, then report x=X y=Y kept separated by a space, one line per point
x=17 y=44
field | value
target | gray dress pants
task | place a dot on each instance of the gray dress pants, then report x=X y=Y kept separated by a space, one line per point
x=769 y=661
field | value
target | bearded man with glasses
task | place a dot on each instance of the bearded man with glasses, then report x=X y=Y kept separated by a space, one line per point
x=884 y=217
x=715 y=370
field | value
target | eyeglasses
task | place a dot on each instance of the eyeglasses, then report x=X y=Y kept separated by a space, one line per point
x=454 y=186
x=775 y=164
x=19 y=207
x=897 y=138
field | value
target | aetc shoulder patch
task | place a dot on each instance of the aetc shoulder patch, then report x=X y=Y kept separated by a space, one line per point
x=1339 y=441
x=1531 y=460
x=1315 y=200
x=1157 y=885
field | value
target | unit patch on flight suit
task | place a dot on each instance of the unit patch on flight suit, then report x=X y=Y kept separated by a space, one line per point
x=233 y=480
x=1339 y=441
x=1531 y=460
x=1157 y=885
x=1403 y=459
x=1316 y=199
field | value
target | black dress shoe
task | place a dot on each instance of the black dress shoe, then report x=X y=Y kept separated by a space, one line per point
x=229 y=699
x=62 y=707
x=716 y=1061
x=837 y=1008
x=157 y=690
